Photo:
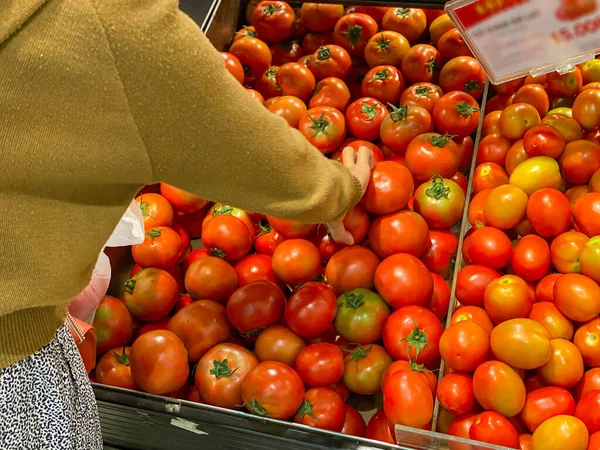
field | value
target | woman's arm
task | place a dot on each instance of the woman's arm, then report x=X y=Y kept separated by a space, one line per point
x=202 y=130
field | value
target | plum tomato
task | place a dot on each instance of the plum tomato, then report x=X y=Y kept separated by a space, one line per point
x=272 y=389
x=401 y=232
x=472 y=282
x=565 y=251
x=577 y=297
x=413 y=333
x=517 y=119
x=535 y=95
x=464 y=346
x=490 y=247
x=386 y=47
x=491 y=123
x=587 y=411
x=151 y=294
x=475 y=210
x=531 y=258
x=579 y=161
x=460 y=427
x=324 y=127
x=425 y=95
x=364 y=117
x=380 y=428
x=515 y=156
x=565 y=366
x=320 y=364
x=544 y=403
x=507 y=297
x=354 y=424
x=549 y=212
x=385 y=83
x=350 y=268
x=493 y=428
x=219 y=374
x=565 y=85
x=353 y=31
x=488 y=176
x=498 y=387
x=521 y=343
x=544 y=140
x=322 y=408
x=278 y=343
x=431 y=154
x=549 y=316
x=440 y=201
x=407 y=400
x=404 y=124
x=455 y=393
x=389 y=189
x=567 y=126
x=505 y=207
x=456 y=113
x=493 y=148
x=586 y=213
x=586 y=339
x=364 y=368
x=255 y=306
x=113 y=324
x=440 y=252
x=403 y=280
x=211 y=278
x=440 y=301
x=475 y=314
x=586 y=109
x=296 y=261
x=560 y=432
x=311 y=310
x=361 y=315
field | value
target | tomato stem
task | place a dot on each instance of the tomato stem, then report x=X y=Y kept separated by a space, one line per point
x=432 y=65
x=286 y=45
x=306 y=408
x=353 y=300
x=380 y=76
x=247 y=32
x=354 y=34
x=417 y=339
x=130 y=285
x=144 y=208
x=265 y=229
x=256 y=408
x=323 y=53
x=439 y=140
x=319 y=125
x=465 y=110
x=123 y=358
x=422 y=91
x=383 y=43
x=223 y=209
x=398 y=113
x=215 y=251
x=221 y=369
x=473 y=85
x=369 y=110
x=153 y=233
x=438 y=189
x=402 y=12
x=270 y=9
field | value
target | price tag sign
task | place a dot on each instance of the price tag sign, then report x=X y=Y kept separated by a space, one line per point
x=515 y=38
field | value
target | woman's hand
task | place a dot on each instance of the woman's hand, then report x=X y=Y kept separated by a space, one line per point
x=360 y=165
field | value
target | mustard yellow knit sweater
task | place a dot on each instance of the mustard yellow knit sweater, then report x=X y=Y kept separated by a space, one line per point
x=98 y=98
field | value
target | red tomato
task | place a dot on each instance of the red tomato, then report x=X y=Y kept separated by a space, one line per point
x=229 y=235
x=403 y=280
x=413 y=333
x=273 y=20
x=452 y=45
x=493 y=148
x=181 y=200
x=425 y=95
x=457 y=113
x=332 y=92
x=278 y=343
x=465 y=74
x=320 y=364
x=493 y=428
x=386 y=47
x=491 y=123
x=385 y=83
x=475 y=314
x=507 y=297
x=200 y=326
x=531 y=258
x=150 y=295
x=544 y=403
x=253 y=268
x=353 y=31
x=590 y=381
x=431 y=154
x=407 y=400
x=365 y=367
x=291 y=230
x=428 y=376
x=350 y=268
x=533 y=94
x=440 y=302
x=586 y=109
x=312 y=41
x=256 y=96
x=490 y=247
x=255 y=306
x=159 y=348
x=296 y=261
x=517 y=119
x=285 y=52
x=586 y=339
x=156 y=211
x=322 y=408
x=272 y=389
x=356 y=223
x=498 y=387
x=409 y=22
x=320 y=17
x=311 y=310
x=161 y=248
x=113 y=369
x=442 y=248
x=219 y=374
x=577 y=297
x=586 y=213
x=544 y=290
x=364 y=118
x=421 y=63
x=403 y=125
x=389 y=189
x=296 y=80
x=464 y=346
x=579 y=161
x=455 y=393
x=330 y=61
x=567 y=85
x=402 y=232
x=267 y=85
x=440 y=201
x=543 y=140
x=291 y=108
x=475 y=210
x=233 y=66
x=466 y=147
x=112 y=323
x=211 y=278
x=354 y=424
x=380 y=428
x=254 y=55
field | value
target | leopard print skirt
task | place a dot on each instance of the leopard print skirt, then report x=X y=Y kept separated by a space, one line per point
x=47 y=402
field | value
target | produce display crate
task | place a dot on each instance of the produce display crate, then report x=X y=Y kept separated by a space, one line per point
x=137 y=420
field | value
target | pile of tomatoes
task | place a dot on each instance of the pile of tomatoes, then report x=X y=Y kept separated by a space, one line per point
x=276 y=317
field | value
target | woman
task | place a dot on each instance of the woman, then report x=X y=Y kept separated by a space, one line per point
x=98 y=98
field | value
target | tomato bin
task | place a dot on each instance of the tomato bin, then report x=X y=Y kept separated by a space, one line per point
x=467 y=309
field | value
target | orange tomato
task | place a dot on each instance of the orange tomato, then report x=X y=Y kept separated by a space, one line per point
x=595 y=182
x=577 y=297
x=516 y=155
x=586 y=213
x=506 y=298
x=439 y=27
x=560 y=433
x=587 y=340
x=549 y=316
x=589 y=259
x=566 y=250
x=565 y=366
x=568 y=127
x=564 y=85
x=544 y=403
x=535 y=95
x=590 y=381
x=464 y=346
x=386 y=48
x=490 y=123
x=475 y=314
x=549 y=212
x=594 y=442
x=521 y=343
x=488 y=175
x=498 y=387
x=291 y=108
x=475 y=211
x=586 y=109
x=531 y=258
x=516 y=119
x=579 y=161
x=505 y=207
x=574 y=193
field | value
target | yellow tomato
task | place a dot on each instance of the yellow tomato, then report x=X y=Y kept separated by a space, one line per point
x=560 y=433
x=565 y=366
x=590 y=71
x=561 y=110
x=439 y=26
x=536 y=173
x=521 y=343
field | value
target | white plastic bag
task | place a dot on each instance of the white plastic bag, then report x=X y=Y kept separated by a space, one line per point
x=129 y=231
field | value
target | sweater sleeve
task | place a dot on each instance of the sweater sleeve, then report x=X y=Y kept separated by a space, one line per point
x=203 y=132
